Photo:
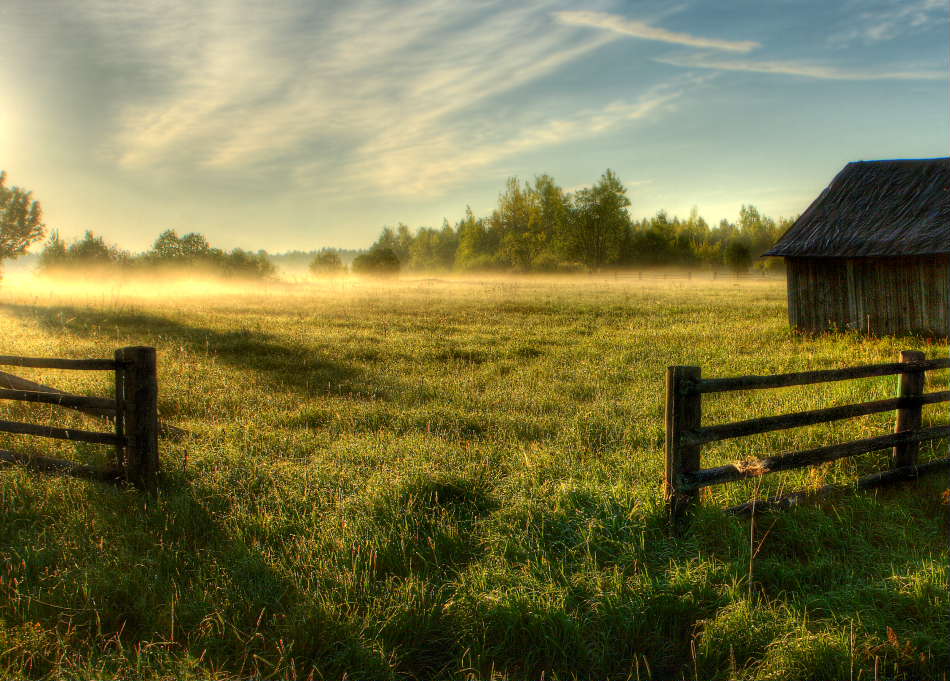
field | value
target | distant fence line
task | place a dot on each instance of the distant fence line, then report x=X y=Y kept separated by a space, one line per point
x=133 y=411
x=685 y=434
x=701 y=274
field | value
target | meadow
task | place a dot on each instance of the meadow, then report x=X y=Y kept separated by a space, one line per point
x=438 y=479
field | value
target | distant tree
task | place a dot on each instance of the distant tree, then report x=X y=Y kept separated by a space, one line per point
x=54 y=254
x=243 y=264
x=21 y=220
x=398 y=240
x=193 y=251
x=194 y=246
x=379 y=261
x=476 y=244
x=550 y=229
x=90 y=251
x=327 y=263
x=598 y=222
x=518 y=224
x=166 y=247
x=738 y=256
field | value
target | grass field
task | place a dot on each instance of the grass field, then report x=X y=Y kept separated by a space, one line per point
x=461 y=481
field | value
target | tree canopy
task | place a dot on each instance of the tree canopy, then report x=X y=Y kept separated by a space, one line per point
x=327 y=263
x=537 y=226
x=21 y=220
x=190 y=252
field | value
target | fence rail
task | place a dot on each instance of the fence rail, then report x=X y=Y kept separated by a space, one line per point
x=685 y=434
x=56 y=363
x=133 y=411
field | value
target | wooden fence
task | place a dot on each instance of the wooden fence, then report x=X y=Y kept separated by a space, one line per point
x=685 y=434
x=133 y=412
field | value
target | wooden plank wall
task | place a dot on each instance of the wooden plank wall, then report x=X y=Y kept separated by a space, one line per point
x=883 y=296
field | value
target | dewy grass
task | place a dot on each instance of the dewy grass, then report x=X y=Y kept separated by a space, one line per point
x=459 y=480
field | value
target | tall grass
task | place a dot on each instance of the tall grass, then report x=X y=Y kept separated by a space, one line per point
x=459 y=481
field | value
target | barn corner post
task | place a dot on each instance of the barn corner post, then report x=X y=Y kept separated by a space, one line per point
x=683 y=414
x=911 y=386
x=138 y=401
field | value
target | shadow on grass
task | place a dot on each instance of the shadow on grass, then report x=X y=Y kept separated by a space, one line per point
x=161 y=582
x=299 y=369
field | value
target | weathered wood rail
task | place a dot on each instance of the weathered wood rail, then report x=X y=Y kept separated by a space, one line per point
x=133 y=412
x=685 y=434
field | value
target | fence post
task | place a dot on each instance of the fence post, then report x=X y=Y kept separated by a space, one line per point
x=119 y=421
x=909 y=418
x=140 y=414
x=683 y=413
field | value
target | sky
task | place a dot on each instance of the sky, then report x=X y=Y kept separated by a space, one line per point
x=300 y=124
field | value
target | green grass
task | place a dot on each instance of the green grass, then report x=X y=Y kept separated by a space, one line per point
x=459 y=481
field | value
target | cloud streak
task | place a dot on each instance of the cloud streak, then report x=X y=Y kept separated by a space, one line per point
x=891 y=20
x=639 y=29
x=453 y=155
x=794 y=68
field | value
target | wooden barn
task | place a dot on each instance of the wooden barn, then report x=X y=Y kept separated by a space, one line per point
x=872 y=252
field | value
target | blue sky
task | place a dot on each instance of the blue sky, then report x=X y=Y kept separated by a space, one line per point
x=302 y=124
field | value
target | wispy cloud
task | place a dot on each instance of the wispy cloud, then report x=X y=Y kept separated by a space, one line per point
x=795 y=68
x=402 y=165
x=883 y=21
x=639 y=29
x=396 y=97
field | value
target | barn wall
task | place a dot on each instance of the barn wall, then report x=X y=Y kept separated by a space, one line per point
x=884 y=295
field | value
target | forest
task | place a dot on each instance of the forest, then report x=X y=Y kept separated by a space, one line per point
x=538 y=227
x=535 y=227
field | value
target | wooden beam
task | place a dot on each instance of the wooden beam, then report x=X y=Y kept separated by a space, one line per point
x=683 y=414
x=18 y=383
x=767 y=424
x=909 y=416
x=56 y=363
x=807 y=457
x=140 y=417
x=872 y=481
x=99 y=404
x=718 y=385
x=73 y=434
x=12 y=381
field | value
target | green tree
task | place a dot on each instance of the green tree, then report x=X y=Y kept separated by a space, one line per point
x=738 y=256
x=54 y=254
x=476 y=244
x=598 y=222
x=166 y=247
x=550 y=229
x=379 y=261
x=21 y=220
x=327 y=263
x=515 y=221
x=89 y=251
x=193 y=246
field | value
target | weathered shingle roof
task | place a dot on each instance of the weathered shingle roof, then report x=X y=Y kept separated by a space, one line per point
x=876 y=209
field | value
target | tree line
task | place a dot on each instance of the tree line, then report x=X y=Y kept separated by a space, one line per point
x=535 y=227
x=538 y=227
x=169 y=252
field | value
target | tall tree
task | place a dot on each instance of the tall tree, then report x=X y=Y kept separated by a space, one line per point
x=515 y=221
x=598 y=222
x=21 y=220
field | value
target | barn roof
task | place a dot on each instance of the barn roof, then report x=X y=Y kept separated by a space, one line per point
x=876 y=209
